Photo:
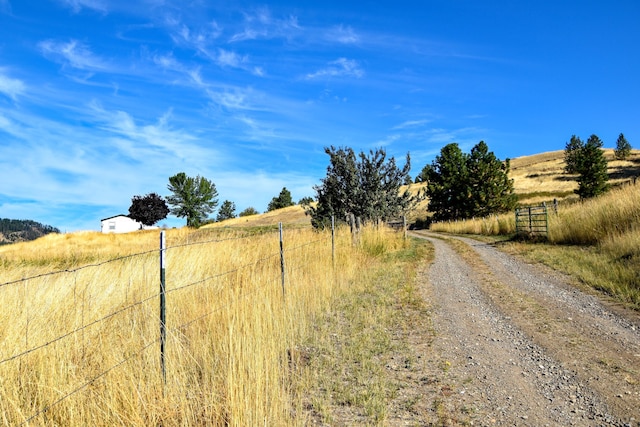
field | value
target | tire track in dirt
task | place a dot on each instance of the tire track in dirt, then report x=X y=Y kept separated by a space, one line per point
x=517 y=346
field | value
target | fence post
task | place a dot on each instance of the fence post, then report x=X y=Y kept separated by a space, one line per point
x=333 y=240
x=281 y=259
x=163 y=329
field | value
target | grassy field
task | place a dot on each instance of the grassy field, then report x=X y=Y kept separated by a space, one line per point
x=596 y=241
x=79 y=329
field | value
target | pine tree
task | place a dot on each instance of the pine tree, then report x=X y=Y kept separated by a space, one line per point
x=572 y=152
x=623 y=148
x=463 y=185
x=447 y=184
x=227 y=211
x=592 y=167
x=282 y=201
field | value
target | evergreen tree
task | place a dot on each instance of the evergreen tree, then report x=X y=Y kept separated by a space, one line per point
x=305 y=201
x=463 y=185
x=572 y=152
x=192 y=198
x=623 y=148
x=367 y=186
x=148 y=209
x=490 y=188
x=227 y=211
x=448 y=184
x=282 y=201
x=592 y=167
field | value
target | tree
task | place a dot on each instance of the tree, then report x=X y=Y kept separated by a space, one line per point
x=572 y=151
x=592 y=167
x=282 y=201
x=248 y=212
x=461 y=185
x=305 y=201
x=491 y=190
x=447 y=184
x=623 y=148
x=192 y=198
x=367 y=186
x=227 y=211
x=148 y=209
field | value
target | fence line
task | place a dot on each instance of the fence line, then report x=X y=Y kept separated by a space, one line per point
x=129 y=307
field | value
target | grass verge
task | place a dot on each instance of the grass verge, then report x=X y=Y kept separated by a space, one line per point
x=342 y=365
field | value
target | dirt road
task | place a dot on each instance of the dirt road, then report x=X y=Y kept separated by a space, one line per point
x=516 y=345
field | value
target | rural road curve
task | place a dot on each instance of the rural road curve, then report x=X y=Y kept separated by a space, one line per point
x=515 y=344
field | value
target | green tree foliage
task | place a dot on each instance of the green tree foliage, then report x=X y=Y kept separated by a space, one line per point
x=591 y=166
x=623 y=148
x=192 y=198
x=148 y=209
x=572 y=151
x=248 y=212
x=461 y=185
x=282 y=201
x=367 y=186
x=305 y=201
x=227 y=211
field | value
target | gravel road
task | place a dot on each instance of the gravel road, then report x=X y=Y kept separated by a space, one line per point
x=516 y=345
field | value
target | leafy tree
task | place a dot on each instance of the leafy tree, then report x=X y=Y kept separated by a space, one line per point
x=148 y=209
x=592 y=167
x=282 y=201
x=461 y=185
x=227 y=211
x=623 y=148
x=572 y=151
x=192 y=198
x=305 y=201
x=367 y=186
x=248 y=212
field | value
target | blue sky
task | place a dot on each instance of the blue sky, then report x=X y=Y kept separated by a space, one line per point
x=101 y=100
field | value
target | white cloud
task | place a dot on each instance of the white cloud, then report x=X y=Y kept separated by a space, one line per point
x=78 y=5
x=227 y=58
x=341 y=67
x=73 y=53
x=261 y=25
x=411 y=124
x=342 y=34
x=11 y=87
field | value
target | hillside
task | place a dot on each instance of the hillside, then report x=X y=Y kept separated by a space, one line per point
x=20 y=230
x=536 y=178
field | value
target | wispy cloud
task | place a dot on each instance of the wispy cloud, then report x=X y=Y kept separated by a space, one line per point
x=74 y=54
x=342 y=34
x=78 y=5
x=10 y=87
x=259 y=24
x=341 y=67
x=411 y=124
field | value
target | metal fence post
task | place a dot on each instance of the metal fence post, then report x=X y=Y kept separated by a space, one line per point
x=281 y=259
x=333 y=240
x=163 y=329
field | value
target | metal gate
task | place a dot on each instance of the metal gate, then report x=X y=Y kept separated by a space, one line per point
x=532 y=221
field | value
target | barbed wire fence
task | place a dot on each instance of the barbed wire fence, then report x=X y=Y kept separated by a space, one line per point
x=150 y=260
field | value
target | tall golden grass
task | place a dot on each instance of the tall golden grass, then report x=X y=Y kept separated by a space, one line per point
x=607 y=228
x=81 y=347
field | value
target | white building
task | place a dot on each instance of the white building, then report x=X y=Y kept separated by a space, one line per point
x=121 y=224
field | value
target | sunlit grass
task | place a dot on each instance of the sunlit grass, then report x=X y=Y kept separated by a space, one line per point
x=81 y=347
x=597 y=241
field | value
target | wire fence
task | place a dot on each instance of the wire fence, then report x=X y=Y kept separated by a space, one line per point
x=79 y=285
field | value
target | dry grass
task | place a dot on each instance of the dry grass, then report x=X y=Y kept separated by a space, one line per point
x=81 y=347
x=603 y=234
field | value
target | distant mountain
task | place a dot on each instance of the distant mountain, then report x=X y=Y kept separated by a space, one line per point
x=20 y=230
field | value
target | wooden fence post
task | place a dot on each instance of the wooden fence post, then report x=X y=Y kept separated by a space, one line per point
x=163 y=287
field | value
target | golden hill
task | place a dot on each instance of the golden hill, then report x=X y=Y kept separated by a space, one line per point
x=536 y=178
